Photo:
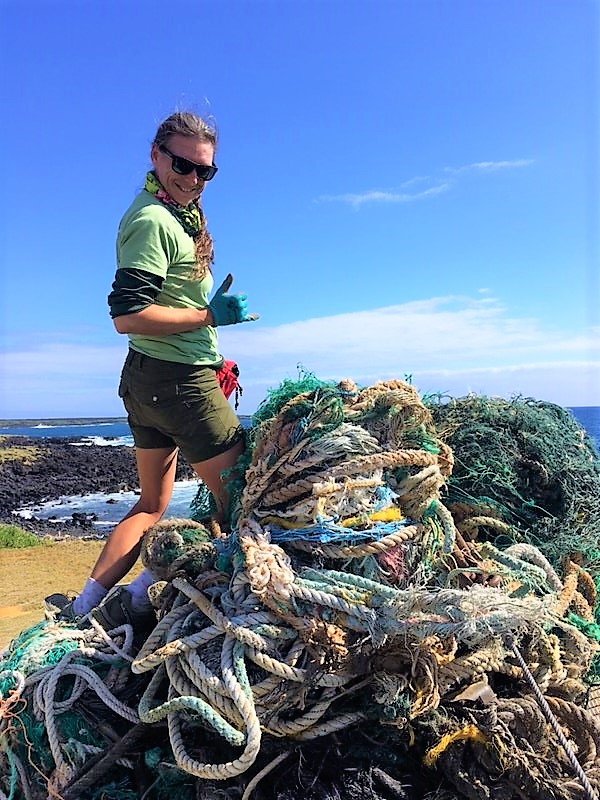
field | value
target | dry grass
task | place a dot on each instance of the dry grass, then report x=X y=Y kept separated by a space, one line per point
x=27 y=454
x=28 y=575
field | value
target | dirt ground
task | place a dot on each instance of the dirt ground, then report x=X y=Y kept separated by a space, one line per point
x=27 y=575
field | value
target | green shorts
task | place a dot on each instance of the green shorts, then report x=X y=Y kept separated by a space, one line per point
x=170 y=404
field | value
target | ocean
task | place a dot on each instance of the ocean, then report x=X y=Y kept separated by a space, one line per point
x=107 y=508
x=110 y=432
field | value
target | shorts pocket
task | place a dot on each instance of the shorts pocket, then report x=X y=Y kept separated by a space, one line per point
x=198 y=390
x=159 y=395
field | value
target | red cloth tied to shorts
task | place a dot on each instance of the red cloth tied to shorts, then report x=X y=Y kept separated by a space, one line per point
x=228 y=376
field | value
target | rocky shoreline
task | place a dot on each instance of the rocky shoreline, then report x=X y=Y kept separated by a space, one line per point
x=34 y=471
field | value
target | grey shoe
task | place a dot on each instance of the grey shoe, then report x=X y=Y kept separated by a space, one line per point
x=116 y=609
x=56 y=602
x=59 y=607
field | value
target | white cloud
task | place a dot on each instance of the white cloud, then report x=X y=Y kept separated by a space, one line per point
x=356 y=200
x=568 y=384
x=61 y=378
x=452 y=344
x=377 y=196
x=490 y=166
x=460 y=340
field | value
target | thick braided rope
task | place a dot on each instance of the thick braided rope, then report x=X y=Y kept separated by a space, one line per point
x=267 y=578
x=328 y=600
x=246 y=708
x=583 y=604
x=474 y=665
x=295 y=674
x=583 y=727
x=551 y=719
x=210 y=686
x=362 y=593
x=190 y=666
x=330 y=726
x=187 y=680
x=206 y=682
x=159 y=634
x=174 y=704
x=567 y=593
x=448 y=526
x=587 y=585
x=274 y=681
x=149 y=713
x=257 y=484
x=86 y=678
x=110 y=639
x=349 y=485
x=288 y=491
x=148 y=658
x=526 y=569
x=279 y=727
x=416 y=492
x=337 y=578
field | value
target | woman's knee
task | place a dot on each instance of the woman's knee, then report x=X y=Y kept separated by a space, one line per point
x=154 y=506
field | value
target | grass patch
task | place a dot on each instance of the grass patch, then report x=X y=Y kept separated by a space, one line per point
x=27 y=454
x=12 y=536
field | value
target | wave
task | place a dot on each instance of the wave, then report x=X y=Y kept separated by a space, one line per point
x=107 y=509
x=101 y=441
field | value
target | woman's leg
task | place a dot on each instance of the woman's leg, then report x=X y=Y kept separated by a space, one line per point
x=156 y=472
x=210 y=472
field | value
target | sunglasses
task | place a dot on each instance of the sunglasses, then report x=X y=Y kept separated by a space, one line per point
x=183 y=167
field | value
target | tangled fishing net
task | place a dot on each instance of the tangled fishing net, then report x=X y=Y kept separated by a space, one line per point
x=405 y=608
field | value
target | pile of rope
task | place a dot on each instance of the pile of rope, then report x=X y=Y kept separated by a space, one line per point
x=350 y=638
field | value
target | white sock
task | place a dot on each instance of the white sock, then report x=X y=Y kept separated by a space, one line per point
x=138 y=589
x=92 y=594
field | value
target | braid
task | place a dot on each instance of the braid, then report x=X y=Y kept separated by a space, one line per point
x=203 y=249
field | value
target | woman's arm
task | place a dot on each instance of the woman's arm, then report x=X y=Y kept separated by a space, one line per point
x=155 y=320
x=134 y=310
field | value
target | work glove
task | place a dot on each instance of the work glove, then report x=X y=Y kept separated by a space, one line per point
x=229 y=309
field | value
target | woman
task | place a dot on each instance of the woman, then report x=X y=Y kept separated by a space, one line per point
x=168 y=385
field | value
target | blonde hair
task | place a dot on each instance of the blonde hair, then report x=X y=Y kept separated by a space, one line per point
x=186 y=123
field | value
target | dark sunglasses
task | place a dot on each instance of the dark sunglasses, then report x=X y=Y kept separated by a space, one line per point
x=183 y=167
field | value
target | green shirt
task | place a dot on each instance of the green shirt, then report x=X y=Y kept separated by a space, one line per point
x=151 y=240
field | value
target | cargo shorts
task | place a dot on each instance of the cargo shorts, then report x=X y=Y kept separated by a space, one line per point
x=170 y=404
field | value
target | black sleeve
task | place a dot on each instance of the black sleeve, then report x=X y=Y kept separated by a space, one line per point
x=133 y=290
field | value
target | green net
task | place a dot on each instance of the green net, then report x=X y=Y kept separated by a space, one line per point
x=531 y=464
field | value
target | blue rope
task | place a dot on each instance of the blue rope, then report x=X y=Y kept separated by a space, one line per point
x=327 y=532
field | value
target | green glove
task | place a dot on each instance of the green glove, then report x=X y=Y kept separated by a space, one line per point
x=229 y=309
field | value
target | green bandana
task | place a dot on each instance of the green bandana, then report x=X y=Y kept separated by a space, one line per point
x=190 y=217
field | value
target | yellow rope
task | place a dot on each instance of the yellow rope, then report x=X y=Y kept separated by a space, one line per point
x=386 y=515
x=468 y=732
x=391 y=514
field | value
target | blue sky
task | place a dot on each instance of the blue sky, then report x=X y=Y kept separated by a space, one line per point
x=404 y=188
